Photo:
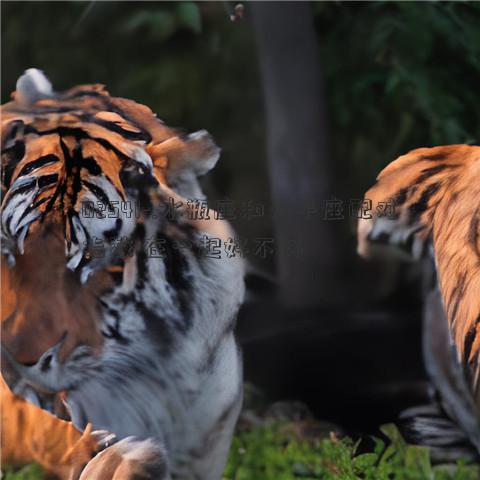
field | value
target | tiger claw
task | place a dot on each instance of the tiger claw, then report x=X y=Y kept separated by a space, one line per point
x=104 y=439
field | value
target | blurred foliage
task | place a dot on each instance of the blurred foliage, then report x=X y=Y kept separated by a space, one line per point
x=275 y=452
x=398 y=75
x=29 y=472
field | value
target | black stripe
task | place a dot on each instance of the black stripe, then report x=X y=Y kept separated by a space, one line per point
x=46 y=180
x=142 y=268
x=113 y=108
x=12 y=157
x=33 y=206
x=98 y=192
x=400 y=197
x=38 y=163
x=117 y=277
x=434 y=158
x=90 y=164
x=75 y=161
x=127 y=134
x=112 y=234
x=428 y=172
x=469 y=339
x=474 y=232
x=86 y=93
x=78 y=134
x=157 y=326
x=73 y=232
x=176 y=273
x=108 y=146
x=417 y=208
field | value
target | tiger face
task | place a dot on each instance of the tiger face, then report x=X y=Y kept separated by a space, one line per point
x=97 y=326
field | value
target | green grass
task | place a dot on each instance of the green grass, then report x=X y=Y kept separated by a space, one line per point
x=279 y=452
x=30 y=472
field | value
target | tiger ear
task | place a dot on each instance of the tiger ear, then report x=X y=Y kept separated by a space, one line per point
x=33 y=85
x=196 y=152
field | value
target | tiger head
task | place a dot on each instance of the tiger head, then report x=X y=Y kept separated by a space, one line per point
x=82 y=170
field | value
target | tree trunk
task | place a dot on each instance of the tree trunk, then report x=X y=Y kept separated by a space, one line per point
x=299 y=165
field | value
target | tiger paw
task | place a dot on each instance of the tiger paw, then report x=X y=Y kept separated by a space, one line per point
x=128 y=459
x=103 y=439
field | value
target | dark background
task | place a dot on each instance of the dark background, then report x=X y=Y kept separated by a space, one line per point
x=308 y=102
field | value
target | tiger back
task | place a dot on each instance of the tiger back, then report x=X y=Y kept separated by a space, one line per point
x=435 y=195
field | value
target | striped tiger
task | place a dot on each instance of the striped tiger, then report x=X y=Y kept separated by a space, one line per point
x=97 y=327
x=435 y=195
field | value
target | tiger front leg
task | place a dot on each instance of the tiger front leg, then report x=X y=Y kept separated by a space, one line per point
x=32 y=435
x=208 y=462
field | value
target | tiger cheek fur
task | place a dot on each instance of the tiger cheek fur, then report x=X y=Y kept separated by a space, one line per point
x=140 y=344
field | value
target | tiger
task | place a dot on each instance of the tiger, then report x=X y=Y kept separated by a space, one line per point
x=118 y=346
x=433 y=196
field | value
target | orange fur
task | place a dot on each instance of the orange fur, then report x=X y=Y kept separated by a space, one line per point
x=436 y=192
x=42 y=300
x=30 y=434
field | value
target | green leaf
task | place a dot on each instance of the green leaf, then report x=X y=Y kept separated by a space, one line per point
x=418 y=459
x=392 y=433
x=364 y=462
